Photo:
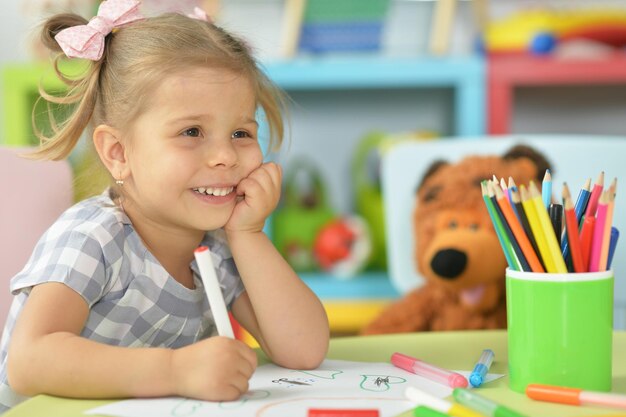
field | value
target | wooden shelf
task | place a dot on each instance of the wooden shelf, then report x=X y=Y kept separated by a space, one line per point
x=505 y=73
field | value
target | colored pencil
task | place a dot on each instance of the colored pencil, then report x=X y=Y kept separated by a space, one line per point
x=546 y=189
x=518 y=232
x=582 y=200
x=522 y=263
x=517 y=202
x=555 y=213
x=579 y=209
x=533 y=219
x=506 y=247
x=586 y=237
x=592 y=205
x=509 y=190
x=614 y=238
x=606 y=238
x=571 y=225
x=598 y=233
x=503 y=185
x=552 y=244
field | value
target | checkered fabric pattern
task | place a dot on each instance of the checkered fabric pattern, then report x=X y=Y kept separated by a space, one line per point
x=133 y=301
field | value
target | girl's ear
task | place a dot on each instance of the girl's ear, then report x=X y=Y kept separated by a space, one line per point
x=112 y=151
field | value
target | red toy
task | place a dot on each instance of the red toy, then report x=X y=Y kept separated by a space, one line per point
x=343 y=246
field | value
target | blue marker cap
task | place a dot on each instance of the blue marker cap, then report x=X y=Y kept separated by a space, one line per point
x=481 y=368
x=478 y=375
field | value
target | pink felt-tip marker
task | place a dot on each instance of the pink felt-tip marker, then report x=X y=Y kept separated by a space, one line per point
x=421 y=368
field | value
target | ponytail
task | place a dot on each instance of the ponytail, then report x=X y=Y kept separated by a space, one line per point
x=82 y=94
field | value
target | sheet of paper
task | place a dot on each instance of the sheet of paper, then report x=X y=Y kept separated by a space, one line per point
x=279 y=392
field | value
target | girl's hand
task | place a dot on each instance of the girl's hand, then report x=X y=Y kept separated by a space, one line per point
x=258 y=196
x=214 y=369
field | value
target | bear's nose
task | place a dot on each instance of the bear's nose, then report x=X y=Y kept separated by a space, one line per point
x=449 y=263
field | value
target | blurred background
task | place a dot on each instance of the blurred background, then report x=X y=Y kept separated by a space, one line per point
x=363 y=75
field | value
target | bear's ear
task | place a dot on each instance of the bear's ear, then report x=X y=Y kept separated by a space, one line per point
x=434 y=167
x=525 y=151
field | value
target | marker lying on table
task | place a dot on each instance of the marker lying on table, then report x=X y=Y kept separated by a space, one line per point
x=213 y=292
x=421 y=368
x=480 y=369
x=482 y=405
x=423 y=398
x=425 y=411
x=574 y=396
x=343 y=412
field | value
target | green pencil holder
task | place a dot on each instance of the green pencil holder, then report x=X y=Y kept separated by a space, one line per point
x=560 y=329
x=301 y=215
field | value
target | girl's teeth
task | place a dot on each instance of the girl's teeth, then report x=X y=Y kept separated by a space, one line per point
x=218 y=192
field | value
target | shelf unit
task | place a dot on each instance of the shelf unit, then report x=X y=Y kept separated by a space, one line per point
x=354 y=302
x=506 y=73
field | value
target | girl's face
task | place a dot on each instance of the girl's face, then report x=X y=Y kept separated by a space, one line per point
x=191 y=148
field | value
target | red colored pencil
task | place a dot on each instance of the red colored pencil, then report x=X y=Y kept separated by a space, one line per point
x=572 y=231
x=586 y=236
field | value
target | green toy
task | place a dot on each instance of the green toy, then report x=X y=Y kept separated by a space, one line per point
x=368 y=195
x=304 y=211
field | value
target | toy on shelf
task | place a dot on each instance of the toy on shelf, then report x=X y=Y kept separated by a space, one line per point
x=541 y=31
x=368 y=200
x=304 y=210
x=343 y=246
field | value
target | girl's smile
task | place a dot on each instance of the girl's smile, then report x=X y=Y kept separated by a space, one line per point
x=215 y=195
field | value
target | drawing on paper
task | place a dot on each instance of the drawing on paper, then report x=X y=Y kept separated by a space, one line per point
x=379 y=383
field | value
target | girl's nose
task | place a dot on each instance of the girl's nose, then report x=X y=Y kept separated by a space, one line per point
x=221 y=152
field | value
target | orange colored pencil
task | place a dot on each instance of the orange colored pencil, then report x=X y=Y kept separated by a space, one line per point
x=571 y=224
x=518 y=231
x=586 y=236
x=606 y=238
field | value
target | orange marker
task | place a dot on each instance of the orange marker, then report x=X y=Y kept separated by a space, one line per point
x=574 y=396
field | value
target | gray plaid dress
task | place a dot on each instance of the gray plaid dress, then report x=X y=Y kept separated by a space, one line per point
x=94 y=249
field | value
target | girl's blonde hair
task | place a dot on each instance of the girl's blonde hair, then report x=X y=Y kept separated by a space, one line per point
x=115 y=89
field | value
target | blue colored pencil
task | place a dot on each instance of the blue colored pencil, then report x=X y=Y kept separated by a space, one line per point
x=546 y=189
x=612 y=244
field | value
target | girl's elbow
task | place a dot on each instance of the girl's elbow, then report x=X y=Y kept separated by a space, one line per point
x=18 y=376
x=308 y=359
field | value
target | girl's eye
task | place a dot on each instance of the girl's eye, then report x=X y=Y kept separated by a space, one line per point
x=192 y=132
x=453 y=224
x=239 y=134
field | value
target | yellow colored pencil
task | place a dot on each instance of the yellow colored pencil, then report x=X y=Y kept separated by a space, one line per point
x=535 y=226
x=548 y=231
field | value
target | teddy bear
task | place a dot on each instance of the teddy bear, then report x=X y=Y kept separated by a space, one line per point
x=457 y=250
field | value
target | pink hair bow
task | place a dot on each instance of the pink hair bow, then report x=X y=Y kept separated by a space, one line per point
x=87 y=41
x=199 y=14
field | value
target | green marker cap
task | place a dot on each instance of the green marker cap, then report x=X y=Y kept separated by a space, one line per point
x=424 y=411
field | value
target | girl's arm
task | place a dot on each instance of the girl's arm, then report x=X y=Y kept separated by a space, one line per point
x=278 y=309
x=47 y=355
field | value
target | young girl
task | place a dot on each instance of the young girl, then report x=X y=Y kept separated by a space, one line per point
x=110 y=303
